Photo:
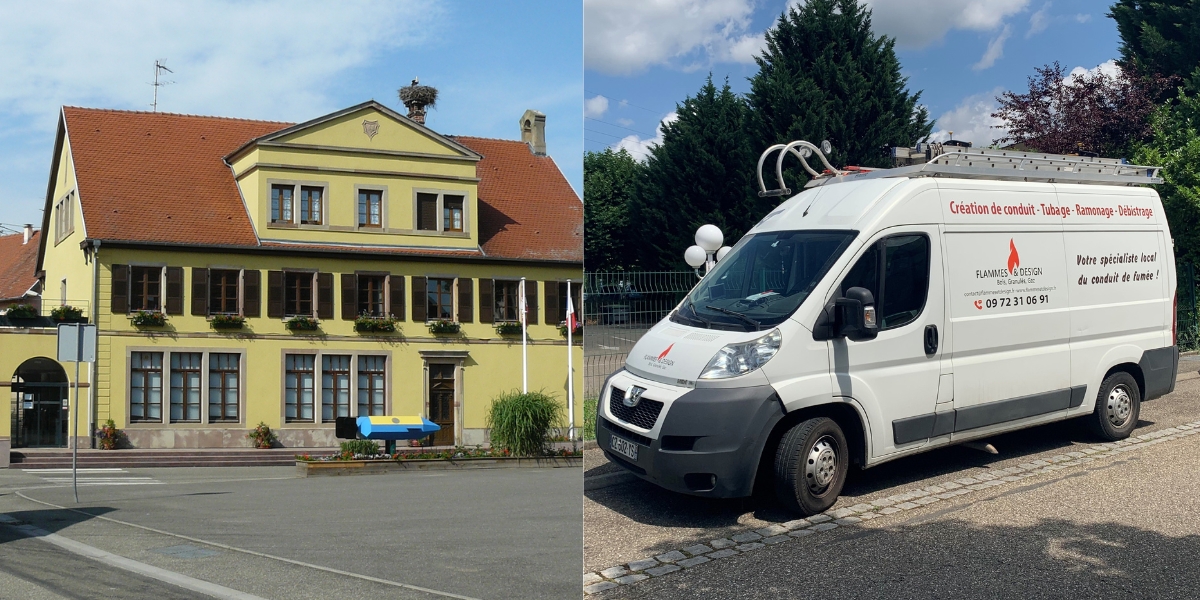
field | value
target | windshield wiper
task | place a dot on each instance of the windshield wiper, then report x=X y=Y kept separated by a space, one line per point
x=757 y=326
x=705 y=322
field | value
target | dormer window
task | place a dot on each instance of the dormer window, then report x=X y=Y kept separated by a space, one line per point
x=282 y=203
x=308 y=208
x=452 y=211
x=441 y=212
x=370 y=208
x=310 y=205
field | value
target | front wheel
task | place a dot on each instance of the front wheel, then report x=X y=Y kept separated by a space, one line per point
x=810 y=466
x=1117 y=407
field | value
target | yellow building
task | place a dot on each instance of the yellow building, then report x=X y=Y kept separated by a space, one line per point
x=244 y=271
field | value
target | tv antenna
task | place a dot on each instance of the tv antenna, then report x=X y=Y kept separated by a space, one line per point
x=159 y=67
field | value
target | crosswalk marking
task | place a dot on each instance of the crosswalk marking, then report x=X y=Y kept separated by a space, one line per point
x=93 y=476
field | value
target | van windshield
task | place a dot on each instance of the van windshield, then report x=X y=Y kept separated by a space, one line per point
x=763 y=279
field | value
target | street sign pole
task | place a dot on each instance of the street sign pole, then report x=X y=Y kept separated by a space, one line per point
x=75 y=437
x=76 y=343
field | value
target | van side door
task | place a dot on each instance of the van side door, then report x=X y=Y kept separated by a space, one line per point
x=894 y=377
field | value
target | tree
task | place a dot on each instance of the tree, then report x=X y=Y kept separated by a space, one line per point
x=702 y=172
x=1091 y=111
x=825 y=76
x=1158 y=38
x=609 y=185
x=1175 y=146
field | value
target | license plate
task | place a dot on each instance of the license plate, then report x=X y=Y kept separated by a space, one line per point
x=623 y=447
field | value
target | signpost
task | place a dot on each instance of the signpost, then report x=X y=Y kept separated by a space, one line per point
x=76 y=343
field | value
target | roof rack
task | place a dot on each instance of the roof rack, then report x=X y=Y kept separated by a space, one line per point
x=970 y=163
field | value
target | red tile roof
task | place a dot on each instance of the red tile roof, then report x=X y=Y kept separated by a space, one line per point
x=160 y=178
x=17 y=265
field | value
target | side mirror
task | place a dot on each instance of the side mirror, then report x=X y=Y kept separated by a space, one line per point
x=855 y=315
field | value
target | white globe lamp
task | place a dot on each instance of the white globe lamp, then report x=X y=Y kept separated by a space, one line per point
x=722 y=252
x=695 y=256
x=709 y=238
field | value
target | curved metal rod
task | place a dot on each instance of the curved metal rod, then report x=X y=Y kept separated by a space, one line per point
x=761 y=159
x=810 y=146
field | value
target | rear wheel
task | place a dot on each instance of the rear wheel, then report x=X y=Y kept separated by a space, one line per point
x=1117 y=407
x=810 y=466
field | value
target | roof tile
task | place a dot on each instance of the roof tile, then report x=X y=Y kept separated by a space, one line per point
x=18 y=264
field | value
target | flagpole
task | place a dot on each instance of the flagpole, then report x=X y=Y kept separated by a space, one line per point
x=570 y=366
x=524 y=340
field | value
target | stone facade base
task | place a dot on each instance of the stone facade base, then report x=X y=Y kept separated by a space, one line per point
x=227 y=438
x=5 y=447
x=376 y=467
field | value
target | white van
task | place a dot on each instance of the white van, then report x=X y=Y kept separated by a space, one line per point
x=881 y=314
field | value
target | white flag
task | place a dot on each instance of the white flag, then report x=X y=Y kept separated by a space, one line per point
x=521 y=308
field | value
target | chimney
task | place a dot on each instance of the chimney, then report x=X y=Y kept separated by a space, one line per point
x=28 y=233
x=417 y=98
x=533 y=131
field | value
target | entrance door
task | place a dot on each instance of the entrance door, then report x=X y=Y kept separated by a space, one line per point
x=441 y=402
x=39 y=413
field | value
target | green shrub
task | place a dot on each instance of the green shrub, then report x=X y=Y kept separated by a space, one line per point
x=22 y=311
x=589 y=418
x=522 y=423
x=368 y=447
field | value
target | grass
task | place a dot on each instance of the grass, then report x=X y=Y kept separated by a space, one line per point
x=589 y=418
x=521 y=423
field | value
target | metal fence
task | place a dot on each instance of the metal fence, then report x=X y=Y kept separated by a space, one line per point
x=619 y=307
x=1187 y=325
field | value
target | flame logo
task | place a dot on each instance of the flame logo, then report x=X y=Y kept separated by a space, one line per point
x=1014 y=260
x=664 y=352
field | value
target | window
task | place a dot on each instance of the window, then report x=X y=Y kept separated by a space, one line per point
x=427 y=212
x=335 y=387
x=223 y=291
x=371 y=377
x=145 y=387
x=64 y=217
x=440 y=293
x=370 y=208
x=281 y=203
x=298 y=294
x=299 y=381
x=901 y=291
x=185 y=387
x=371 y=295
x=576 y=289
x=223 y=387
x=508 y=301
x=145 y=286
x=310 y=205
x=452 y=213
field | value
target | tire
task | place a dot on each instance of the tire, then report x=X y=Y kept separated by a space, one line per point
x=1118 y=405
x=810 y=466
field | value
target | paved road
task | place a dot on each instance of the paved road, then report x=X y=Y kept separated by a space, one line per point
x=506 y=533
x=633 y=521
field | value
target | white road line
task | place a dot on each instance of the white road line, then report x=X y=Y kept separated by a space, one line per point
x=87 y=470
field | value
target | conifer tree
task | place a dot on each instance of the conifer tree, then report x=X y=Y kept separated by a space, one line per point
x=610 y=181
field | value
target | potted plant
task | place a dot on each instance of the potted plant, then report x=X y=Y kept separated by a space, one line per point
x=148 y=318
x=301 y=323
x=508 y=328
x=22 y=311
x=443 y=326
x=223 y=321
x=109 y=437
x=365 y=323
x=562 y=329
x=262 y=436
x=67 y=313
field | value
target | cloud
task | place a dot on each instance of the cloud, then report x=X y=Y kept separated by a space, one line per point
x=625 y=37
x=623 y=122
x=1108 y=68
x=995 y=50
x=972 y=120
x=1039 y=21
x=918 y=23
x=640 y=148
x=595 y=107
x=1082 y=18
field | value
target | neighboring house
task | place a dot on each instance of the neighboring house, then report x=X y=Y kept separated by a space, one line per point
x=19 y=283
x=359 y=213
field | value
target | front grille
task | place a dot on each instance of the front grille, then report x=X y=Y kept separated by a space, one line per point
x=643 y=415
x=632 y=436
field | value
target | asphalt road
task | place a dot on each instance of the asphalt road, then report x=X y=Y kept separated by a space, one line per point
x=636 y=520
x=505 y=533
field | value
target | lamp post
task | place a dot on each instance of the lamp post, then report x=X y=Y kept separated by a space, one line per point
x=708 y=249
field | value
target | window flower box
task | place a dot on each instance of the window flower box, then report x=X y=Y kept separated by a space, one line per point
x=443 y=326
x=67 y=314
x=301 y=323
x=227 y=321
x=562 y=329
x=508 y=328
x=22 y=311
x=370 y=324
x=146 y=318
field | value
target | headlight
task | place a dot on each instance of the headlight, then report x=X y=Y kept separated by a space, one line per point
x=739 y=359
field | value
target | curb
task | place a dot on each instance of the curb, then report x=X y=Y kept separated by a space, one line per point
x=380 y=467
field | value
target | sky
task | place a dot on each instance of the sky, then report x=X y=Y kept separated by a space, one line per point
x=959 y=54
x=283 y=60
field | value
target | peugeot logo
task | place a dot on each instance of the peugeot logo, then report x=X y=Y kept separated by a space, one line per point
x=633 y=395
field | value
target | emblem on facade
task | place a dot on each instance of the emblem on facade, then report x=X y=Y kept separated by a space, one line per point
x=371 y=128
x=633 y=395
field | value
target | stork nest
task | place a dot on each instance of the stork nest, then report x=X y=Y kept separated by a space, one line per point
x=419 y=94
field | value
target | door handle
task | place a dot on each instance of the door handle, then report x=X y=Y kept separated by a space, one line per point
x=931 y=340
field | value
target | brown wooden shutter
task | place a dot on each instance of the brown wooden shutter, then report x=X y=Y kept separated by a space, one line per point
x=531 y=296
x=119 y=302
x=275 y=294
x=396 y=296
x=324 y=295
x=418 y=300
x=466 y=300
x=552 y=316
x=487 y=301
x=349 y=296
x=252 y=288
x=174 y=290
x=199 y=292
x=427 y=212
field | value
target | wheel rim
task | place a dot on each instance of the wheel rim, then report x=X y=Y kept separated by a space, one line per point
x=1119 y=408
x=820 y=466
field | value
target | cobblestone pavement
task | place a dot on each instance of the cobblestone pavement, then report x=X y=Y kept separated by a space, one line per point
x=636 y=531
